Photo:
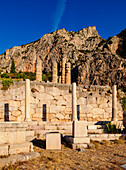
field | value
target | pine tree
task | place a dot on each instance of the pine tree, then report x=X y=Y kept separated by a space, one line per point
x=13 y=67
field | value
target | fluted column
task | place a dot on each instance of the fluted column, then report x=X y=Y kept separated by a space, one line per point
x=27 y=100
x=68 y=73
x=114 y=103
x=54 y=74
x=39 y=70
x=74 y=106
x=63 y=71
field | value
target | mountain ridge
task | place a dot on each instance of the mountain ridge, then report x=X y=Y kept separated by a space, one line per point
x=94 y=60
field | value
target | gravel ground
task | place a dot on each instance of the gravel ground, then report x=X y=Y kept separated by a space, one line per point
x=106 y=155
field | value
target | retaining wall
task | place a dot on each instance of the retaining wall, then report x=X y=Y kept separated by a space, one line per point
x=53 y=102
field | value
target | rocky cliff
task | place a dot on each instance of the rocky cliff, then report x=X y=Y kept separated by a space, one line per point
x=94 y=60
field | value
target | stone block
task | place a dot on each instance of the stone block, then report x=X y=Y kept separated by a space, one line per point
x=29 y=133
x=92 y=127
x=91 y=100
x=59 y=116
x=3 y=150
x=12 y=137
x=79 y=129
x=53 y=141
x=81 y=140
x=97 y=111
x=20 y=148
x=81 y=101
x=79 y=146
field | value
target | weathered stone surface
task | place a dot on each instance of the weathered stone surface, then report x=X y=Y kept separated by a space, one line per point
x=53 y=141
x=3 y=150
x=79 y=129
x=12 y=137
x=81 y=140
x=19 y=148
x=58 y=100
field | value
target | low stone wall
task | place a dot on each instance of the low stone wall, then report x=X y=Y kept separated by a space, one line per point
x=53 y=102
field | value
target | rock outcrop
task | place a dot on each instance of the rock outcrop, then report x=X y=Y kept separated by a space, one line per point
x=93 y=60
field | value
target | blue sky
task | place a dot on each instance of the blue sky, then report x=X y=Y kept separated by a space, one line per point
x=24 y=21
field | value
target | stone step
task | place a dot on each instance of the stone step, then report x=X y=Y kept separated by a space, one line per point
x=96 y=126
x=11 y=126
x=100 y=137
x=96 y=131
x=12 y=137
x=10 y=149
x=43 y=123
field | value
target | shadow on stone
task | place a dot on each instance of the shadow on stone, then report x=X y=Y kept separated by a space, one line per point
x=66 y=141
x=39 y=143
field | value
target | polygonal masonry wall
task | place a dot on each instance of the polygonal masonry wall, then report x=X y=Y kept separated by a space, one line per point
x=53 y=102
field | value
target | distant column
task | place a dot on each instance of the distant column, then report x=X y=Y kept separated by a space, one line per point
x=59 y=80
x=39 y=70
x=63 y=71
x=27 y=100
x=54 y=74
x=74 y=106
x=68 y=73
x=114 y=103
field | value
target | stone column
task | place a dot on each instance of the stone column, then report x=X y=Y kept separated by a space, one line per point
x=59 y=80
x=54 y=74
x=68 y=73
x=38 y=70
x=27 y=100
x=114 y=103
x=74 y=106
x=63 y=71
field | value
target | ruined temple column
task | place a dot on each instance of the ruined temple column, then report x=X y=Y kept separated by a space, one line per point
x=68 y=73
x=59 y=81
x=27 y=100
x=74 y=106
x=39 y=70
x=114 y=103
x=63 y=70
x=54 y=72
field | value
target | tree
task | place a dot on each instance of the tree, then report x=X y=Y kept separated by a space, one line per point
x=13 y=67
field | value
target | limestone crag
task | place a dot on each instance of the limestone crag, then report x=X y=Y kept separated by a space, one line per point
x=93 y=60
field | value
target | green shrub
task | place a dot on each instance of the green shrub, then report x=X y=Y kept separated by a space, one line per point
x=18 y=75
x=112 y=128
x=123 y=101
x=13 y=67
x=4 y=75
x=44 y=77
x=28 y=75
x=24 y=76
x=49 y=76
x=6 y=83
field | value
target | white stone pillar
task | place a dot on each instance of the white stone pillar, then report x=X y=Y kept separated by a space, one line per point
x=27 y=100
x=54 y=72
x=74 y=106
x=114 y=103
x=68 y=73
x=39 y=70
x=63 y=71
x=59 y=81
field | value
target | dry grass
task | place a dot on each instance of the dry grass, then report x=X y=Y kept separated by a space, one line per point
x=104 y=157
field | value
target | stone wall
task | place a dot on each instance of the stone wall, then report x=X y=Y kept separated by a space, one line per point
x=53 y=102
